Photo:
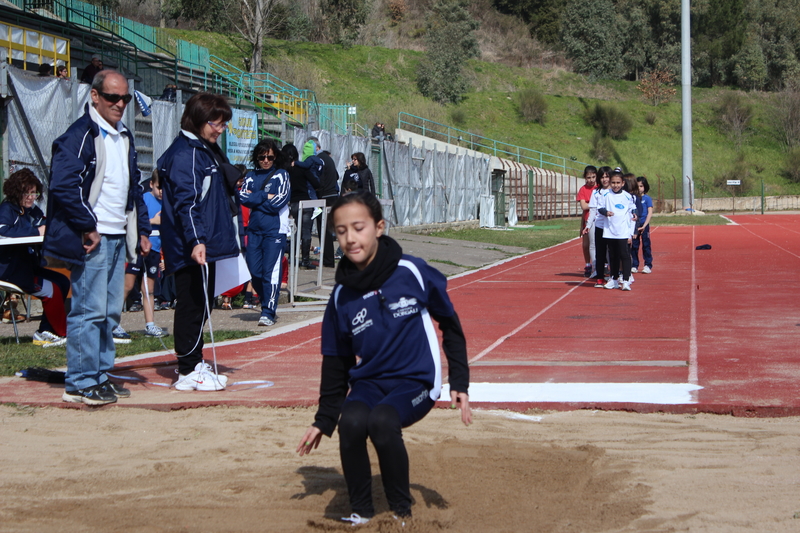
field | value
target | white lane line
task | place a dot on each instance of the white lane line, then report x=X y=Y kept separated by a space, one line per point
x=255 y=338
x=502 y=339
x=772 y=243
x=693 y=317
x=275 y=354
x=537 y=254
x=651 y=393
x=582 y=363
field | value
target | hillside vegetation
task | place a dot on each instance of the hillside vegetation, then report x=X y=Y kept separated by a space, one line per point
x=382 y=82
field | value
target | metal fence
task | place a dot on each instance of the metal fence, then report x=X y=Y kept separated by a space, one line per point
x=472 y=141
x=540 y=194
x=429 y=184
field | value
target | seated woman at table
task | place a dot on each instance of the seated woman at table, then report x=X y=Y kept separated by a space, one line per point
x=22 y=264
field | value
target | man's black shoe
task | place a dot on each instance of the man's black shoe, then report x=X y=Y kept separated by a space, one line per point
x=117 y=390
x=96 y=395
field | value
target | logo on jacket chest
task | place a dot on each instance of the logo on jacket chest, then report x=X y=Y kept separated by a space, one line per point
x=404 y=307
x=360 y=322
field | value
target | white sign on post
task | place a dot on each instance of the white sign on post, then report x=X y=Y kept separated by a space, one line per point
x=734 y=182
x=242 y=136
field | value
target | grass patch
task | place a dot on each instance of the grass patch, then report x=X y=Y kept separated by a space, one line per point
x=688 y=220
x=548 y=233
x=14 y=357
x=551 y=232
x=446 y=262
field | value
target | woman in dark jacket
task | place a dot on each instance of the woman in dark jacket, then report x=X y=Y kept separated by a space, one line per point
x=266 y=191
x=21 y=264
x=359 y=172
x=197 y=228
x=302 y=181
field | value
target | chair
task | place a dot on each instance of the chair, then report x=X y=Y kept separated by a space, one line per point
x=7 y=288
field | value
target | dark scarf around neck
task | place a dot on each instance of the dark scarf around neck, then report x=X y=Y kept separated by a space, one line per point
x=377 y=272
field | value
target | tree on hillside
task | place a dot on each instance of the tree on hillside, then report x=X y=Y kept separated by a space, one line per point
x=449 y=41
x=253 y=20
x=589 y=38
x=656 y=86
x=345 y=19
x=638 y=43
x=543 y=16
x=750 y=66
x=778 y=29
x=718 y=32
x=207 y=14
x=664 y=18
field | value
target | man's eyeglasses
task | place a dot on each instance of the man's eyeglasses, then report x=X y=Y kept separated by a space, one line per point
x=267 y=157
x=221 y=126
x=114 y=98
x=31 y=194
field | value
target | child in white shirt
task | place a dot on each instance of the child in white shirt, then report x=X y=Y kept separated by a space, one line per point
x=619 y=209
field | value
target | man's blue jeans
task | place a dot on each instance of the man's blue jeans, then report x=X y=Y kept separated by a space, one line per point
x=97 y=290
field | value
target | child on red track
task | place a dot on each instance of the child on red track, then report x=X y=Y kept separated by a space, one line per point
x=583 y=197
x=643 y=229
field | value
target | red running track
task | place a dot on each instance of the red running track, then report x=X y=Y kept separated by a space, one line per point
x=709 y=330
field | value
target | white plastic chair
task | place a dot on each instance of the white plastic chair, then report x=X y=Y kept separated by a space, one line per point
x=7 y=288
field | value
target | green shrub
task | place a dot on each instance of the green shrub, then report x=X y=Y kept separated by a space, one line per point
x=741 y=170
x=532 y=105
x=610 y=120
x=602 y=147
x=458 y=116
x=449 y=42
x=650 y=118
x=734 y=115
x=792 y=170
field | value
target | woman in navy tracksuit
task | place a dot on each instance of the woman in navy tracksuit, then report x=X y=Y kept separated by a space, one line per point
x=379 y=342
x=22 y=264
x=266 y=192
x=197 y=228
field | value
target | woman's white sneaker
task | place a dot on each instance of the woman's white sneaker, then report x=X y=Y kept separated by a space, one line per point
x=202 y=378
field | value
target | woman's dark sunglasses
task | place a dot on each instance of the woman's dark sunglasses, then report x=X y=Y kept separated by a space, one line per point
x=267 y=157
x=114 y=98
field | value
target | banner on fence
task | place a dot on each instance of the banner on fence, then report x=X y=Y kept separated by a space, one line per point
x=242 y=136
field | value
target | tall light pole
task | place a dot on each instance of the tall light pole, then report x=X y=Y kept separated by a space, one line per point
x=686 y=104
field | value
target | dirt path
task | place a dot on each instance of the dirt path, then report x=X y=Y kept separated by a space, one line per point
x=234 y=469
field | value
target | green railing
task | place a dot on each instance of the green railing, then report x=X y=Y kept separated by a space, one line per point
x=145 y=38
x=472 y=141
x=263 y=89
x=335 y=117
x=262 y=82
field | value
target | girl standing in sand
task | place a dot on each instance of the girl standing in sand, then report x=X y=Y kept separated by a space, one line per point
x=381 y=368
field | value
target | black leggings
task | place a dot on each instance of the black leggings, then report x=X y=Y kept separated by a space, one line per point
x=620 y=254
x=190 y=314
x=600 y=253
x=382 y=425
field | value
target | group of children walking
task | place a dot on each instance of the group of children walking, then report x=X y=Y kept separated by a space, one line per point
x=615 y=224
